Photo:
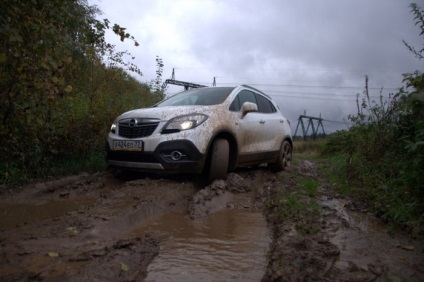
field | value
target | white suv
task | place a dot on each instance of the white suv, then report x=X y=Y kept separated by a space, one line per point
x=210 y=130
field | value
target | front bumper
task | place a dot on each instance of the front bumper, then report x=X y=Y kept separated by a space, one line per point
x=163 y=159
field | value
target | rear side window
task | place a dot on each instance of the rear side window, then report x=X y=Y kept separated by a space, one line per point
x=242 y=97
x=265 y=105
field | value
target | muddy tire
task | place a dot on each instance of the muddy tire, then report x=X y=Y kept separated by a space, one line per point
x=218 y=165
x=284 y=158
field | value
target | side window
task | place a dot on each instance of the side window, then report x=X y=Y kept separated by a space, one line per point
x=247 y=96
x=264 y=105
x=242 y=97
x=235 y=105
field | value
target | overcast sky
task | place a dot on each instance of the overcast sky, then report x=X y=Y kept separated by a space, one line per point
x=308 y=55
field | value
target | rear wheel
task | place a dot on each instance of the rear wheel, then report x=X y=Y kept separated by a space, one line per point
x=284 y=157
x=218 y=165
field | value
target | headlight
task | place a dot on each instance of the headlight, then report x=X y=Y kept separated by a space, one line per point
x=113 y=128
x=184 y=123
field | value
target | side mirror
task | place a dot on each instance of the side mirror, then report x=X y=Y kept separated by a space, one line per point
x=248 y=107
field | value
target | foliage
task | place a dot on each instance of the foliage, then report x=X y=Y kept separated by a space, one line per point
x=61 y=85
x=419 y=20
x=308 y=148
x=384 y=149
x=296 y=203
x=310 y=186
x=156 y=85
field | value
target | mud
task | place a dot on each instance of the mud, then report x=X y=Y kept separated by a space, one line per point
x=217 y=195
x=137 y=227
x=343 y=241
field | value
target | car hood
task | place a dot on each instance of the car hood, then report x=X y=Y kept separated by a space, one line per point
x=167 y=113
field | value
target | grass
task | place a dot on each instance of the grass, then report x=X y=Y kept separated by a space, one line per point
x=293 y=205
x=309 y=186
x=310 y=149
x=334 y=169
x=376 y=182
x=379 y=183
x=54 y=168
x=295 y=202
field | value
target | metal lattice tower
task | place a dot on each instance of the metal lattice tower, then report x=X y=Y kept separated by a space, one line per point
x=187 y=85
x=310 y=124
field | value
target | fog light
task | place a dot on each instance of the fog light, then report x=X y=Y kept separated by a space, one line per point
x=175 y=155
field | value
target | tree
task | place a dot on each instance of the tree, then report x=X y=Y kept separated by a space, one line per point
x=415 y=80
x=50 y=55
x=45 y=43
x=419 y=20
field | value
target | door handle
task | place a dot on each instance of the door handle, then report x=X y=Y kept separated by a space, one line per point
x=261 y=121
x=282 y=120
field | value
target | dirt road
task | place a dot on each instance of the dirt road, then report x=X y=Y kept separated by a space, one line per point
x=104 y=227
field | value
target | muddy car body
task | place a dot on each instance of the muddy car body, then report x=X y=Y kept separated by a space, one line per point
x=211 y=129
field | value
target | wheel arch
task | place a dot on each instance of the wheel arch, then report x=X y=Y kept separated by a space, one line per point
x=289 y=139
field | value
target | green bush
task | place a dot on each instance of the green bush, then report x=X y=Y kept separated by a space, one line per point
x=383 y=151
x=384 y=157
x=61 y=85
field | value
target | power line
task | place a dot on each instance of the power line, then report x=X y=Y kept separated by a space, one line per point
x=343 y=99
x=320 y=94
x=323 y=86
x=296 y=69
x=307 y=86
x=337 y=121
x=313 y=98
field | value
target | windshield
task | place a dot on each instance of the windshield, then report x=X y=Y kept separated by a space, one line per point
x=199 y=96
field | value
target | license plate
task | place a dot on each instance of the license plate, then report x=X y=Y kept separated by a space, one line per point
x=128 y=145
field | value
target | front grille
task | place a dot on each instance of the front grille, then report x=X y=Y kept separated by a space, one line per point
x=136 y=128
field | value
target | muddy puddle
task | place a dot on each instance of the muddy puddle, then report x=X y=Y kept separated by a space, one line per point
x=132 y=230
x=102 y=228
x=229 y=245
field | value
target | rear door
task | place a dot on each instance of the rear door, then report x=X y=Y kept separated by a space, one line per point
x=272 y=122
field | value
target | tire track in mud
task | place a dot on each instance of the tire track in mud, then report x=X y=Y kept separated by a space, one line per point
x=96 y=222
x=88 y=241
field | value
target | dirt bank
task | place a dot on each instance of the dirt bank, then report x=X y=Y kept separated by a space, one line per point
x=323 y=236
x=82 y=227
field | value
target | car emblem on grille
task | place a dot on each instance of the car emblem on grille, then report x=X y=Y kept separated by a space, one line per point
x=133 y=122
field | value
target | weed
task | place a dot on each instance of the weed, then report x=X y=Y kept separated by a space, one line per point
x=293 y=205
x=55 y=167
x=310 y=149
x=297 y=204
x=310 y=186
x=379 y=159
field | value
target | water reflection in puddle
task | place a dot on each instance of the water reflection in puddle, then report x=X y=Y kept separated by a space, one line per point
x=230 y=245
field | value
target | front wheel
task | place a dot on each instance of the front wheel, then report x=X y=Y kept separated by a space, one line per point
x=284 y=157
x=218 y=165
